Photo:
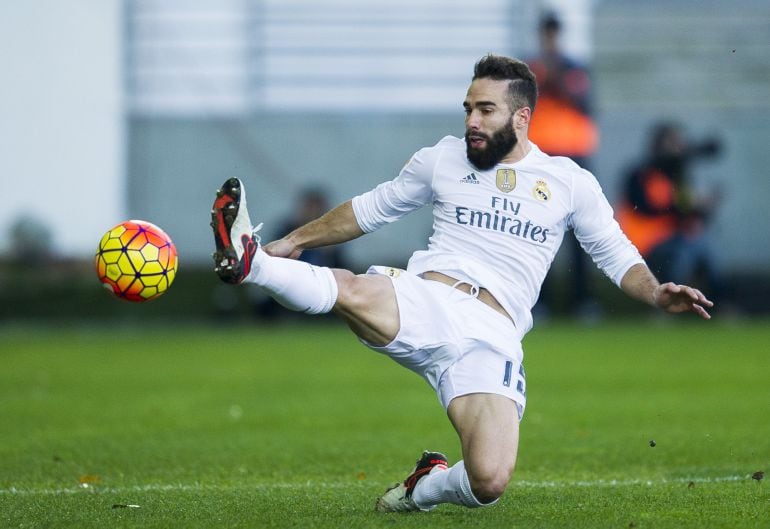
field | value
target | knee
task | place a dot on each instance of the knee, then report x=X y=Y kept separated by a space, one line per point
x=351 y=292
x=490 y=484
x=360 y=293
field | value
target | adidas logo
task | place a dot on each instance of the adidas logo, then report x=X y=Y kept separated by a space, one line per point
x=470 y=179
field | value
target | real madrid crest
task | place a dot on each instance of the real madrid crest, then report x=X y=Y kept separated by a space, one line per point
x=506 y=180
x=393 y=272
x=541 y=191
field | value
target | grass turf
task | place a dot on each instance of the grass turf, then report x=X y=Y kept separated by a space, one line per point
x=301 y=426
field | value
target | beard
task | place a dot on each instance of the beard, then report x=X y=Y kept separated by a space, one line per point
x=503 y=140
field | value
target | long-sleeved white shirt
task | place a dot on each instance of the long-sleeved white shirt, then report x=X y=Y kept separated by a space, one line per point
x=500 y=229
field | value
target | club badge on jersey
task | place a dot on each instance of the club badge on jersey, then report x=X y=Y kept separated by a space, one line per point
x=541 y=191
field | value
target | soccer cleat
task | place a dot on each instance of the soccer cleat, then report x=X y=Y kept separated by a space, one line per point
x=398 y=498
x=235 y=239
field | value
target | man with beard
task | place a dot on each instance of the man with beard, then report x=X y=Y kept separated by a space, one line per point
x=457 y=314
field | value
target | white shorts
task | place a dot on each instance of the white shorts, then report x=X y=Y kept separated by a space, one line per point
x=458 y=344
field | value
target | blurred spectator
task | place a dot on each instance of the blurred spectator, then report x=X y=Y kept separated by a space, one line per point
x=663 y=214
x=31 y=241
x=562 y=126
x=311 y=203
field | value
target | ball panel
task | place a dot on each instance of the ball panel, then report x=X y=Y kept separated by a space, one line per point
x=149 y=293
x=151 y=268
x=135 y=259
x=111 y=256
x=113 y=272
x=110 y=243
x=150 y=252
x=156 y=239
x=125 y=283
x=164 y=255
x=127 y=236
x=117 y=231
x=101 y=266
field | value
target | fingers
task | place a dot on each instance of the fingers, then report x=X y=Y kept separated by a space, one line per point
x=276 y=249
x=282 y=248
x=700 y=302
x=696 y=295
x=679 y=298
x=700 y=311
x=703 y=300
x=697 y=301
x=269 y=248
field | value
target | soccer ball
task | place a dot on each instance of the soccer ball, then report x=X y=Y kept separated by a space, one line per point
x=136 y=261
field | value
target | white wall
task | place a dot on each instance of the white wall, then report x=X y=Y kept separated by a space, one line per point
x=61 y=118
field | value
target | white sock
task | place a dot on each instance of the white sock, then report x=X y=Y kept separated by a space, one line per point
x=446 y=486
x=296 y=285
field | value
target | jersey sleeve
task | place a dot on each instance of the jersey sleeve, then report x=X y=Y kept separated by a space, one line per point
x=391 y=200
x=598 y=232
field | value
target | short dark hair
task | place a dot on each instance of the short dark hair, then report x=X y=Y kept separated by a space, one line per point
x=522 y=89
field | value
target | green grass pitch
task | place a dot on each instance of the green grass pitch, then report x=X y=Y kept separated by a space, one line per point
x=301 y=426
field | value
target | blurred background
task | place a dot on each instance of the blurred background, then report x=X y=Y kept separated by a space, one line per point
x=118 y=109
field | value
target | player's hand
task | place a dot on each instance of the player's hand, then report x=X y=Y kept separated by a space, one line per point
x=282 y=248
x=674 y=298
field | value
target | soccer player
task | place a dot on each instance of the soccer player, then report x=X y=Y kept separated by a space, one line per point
x=457 y=314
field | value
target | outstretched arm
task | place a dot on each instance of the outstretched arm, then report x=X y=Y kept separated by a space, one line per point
x=337 y=226
x=640 y=283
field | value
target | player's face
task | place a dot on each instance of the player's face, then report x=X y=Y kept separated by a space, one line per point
x=489 y=132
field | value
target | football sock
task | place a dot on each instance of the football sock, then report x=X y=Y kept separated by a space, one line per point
x=446 y=486
x=296 y=285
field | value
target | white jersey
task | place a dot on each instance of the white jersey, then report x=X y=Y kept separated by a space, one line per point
x=500 y=229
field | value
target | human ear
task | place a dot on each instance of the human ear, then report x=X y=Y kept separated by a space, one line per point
x=522 y=117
